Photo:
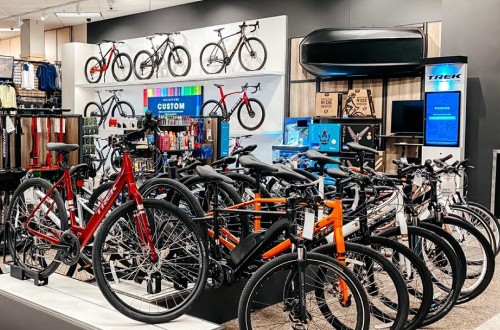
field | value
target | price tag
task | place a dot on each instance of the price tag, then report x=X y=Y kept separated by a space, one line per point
x=28 y=196
x=417 y=180
x=308 y=230
x=448 y=185
x=9 y=125
x=58 y=128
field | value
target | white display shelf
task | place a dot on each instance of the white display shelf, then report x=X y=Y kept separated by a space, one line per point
x=79 y=304
x=171 y=80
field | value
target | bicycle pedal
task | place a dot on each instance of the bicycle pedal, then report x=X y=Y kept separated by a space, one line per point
x=84 y=267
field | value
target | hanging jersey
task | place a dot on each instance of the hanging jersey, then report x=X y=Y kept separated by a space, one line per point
x=27 y=76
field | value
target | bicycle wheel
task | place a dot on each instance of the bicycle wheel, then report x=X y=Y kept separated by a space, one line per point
x=97 y=160
x=465 y=213
x=147 y=291
x=116 y=160
x=479 y=255
x=29 y=251
x=387 y=295
x=211 y=108
x=251 y=116
x=144 y=65
x=93 y=109
x=212 y=58
x=270 y=299
x=121 y=67
x=252 y=54
x=93 y=70
x=179 y=61
x=124 y=109
x=443 y=266
x=490 y=218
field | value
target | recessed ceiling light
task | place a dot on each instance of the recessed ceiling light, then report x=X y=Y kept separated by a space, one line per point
x=10 y=29
x=76 y=15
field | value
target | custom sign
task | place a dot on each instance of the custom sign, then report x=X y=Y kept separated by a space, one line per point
x=172 y=101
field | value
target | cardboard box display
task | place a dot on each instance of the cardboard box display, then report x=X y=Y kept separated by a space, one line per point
x=358 y=103
x=328 y=104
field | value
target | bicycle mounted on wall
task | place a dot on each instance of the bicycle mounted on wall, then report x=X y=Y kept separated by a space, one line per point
x=116 y=106
x=120 y=66
x=214 y=54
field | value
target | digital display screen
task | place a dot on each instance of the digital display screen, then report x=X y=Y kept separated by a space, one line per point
x=407 y=117
x=442 y=119
x=183 y=101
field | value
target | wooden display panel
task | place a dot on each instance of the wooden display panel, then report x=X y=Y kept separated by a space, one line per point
x=302 y=99
x=296 y=71
x=434 y=39
x=334 y=86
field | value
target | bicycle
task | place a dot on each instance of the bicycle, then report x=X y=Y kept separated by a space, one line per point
x=250 y=49
x=121 y=65
x=116 y=106
x=145 y=62
x=251 y=118
x=145 y=248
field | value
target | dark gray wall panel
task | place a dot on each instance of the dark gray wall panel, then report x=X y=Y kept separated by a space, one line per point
x=471 y=28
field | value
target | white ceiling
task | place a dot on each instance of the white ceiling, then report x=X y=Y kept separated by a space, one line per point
x=11 y=9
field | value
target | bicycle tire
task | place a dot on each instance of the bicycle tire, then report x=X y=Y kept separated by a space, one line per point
x=98 y=112
x=288 y=263
x=258 y=43
x=358 y=261
x=97 y=70
x=253 y=106
x=46 y=268
x=116 y=160
x=126 y=63
x=472 y=217
x=190 y=282
x=219 y=51
x=124 y=109
x=211 y=108
x=97 y=161
x=442 y=307
x=140 y=64
x=490 y=218
x=171 y=61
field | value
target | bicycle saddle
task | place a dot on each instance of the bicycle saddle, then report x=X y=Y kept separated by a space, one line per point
x=336 y=173
x=249 y=161
x=61 y=147
x=218 y=86
x=206 y=172
x=223 y=162
x=150 y=37
x=286 y=173
x=320 y=158
x=358 y=147
x=218 y=30
x=114 y=90
x=245 y=150
x=189 y=167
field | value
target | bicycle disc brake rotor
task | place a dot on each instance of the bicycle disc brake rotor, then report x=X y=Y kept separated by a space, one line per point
x=70 y=257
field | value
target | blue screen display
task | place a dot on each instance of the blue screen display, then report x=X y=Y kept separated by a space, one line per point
x=442 y=119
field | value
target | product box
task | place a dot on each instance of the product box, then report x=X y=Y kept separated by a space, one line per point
x=350 y=159
x=325 y=137
x=358 y=103
x=328 y=104
x=296 y=132
x=364 y=134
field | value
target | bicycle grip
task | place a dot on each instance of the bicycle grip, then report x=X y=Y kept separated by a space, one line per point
x=445 y=158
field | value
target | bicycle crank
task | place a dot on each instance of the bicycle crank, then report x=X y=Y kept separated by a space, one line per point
x=71 y=252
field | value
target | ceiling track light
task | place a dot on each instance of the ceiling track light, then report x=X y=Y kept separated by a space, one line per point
x=19 y=22
x=44 y=16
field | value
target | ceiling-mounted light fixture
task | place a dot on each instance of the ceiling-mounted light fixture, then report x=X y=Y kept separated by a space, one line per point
x=19 y=22
x=76 y=15
x=44 y=16
x=78 y=9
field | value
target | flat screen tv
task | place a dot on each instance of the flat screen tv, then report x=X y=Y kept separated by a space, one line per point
x=407 y=117
x=442 y=119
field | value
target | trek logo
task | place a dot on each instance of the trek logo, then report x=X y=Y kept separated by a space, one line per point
x=106 y=200
x=444 y=76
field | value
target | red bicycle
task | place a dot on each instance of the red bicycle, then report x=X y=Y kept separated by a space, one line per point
x=121 y=65
x=149 y=259
x=251 y=113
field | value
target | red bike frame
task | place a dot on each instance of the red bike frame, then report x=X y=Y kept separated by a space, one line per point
x=223 y=96
x=125 y=177
x=104 y=66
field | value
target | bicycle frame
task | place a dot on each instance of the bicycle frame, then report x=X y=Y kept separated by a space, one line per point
x=165 y=45
x=222 y=100
x=105 y=65
x=221 y=43
x=113 y=98
x=125 y=177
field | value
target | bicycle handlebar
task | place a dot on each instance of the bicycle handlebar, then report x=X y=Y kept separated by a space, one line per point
x=255 y=88
x=113 y=41
x=245 y=25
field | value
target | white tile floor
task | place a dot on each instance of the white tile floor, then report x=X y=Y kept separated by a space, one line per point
x=83 y=304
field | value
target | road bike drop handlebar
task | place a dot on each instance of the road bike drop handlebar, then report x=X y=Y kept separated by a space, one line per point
x=245 y=25
x=167 y=33
x=246 y=86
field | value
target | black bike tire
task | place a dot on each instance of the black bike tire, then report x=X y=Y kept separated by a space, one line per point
x=387 y=266
x=150 y=58
x=486 y=230
x=123 y=112
x=495 y=223
x=112 y=298
x=214 y=111
x=116 y=154
x=201 y=58
x=436 y=314
x=242 y=122
x=288 y=261
x=170 y=58
x=87 y=73
x=101 y=115
x=121 y=56
x=263 y=47
x=63 y=217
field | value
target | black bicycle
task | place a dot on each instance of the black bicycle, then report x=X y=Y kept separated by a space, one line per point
x=252 y=52
x=178 y=61
x=116 y=106
x=120 y=66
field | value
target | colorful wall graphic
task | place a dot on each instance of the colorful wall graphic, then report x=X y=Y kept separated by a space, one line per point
x=185 y=101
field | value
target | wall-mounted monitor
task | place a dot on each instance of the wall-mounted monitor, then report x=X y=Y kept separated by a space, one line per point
x=407 y=118
x=171 y=101
x=442 y=119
